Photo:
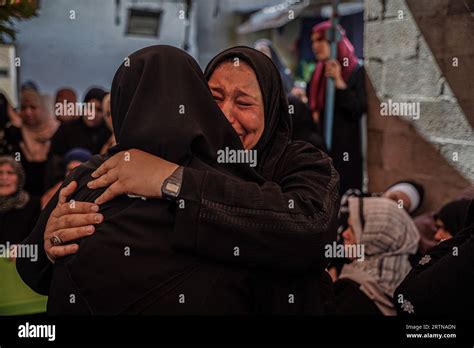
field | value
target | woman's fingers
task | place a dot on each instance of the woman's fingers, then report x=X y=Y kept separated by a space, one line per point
x=76 y=220
x=74 y=207
x=107 y=165
x=114 y=190
x=105 y=180
x=67 y=191
x=70 y=234
x=57 y=252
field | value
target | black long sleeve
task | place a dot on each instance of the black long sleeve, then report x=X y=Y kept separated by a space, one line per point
x=443 y=282
x=280 y=226
x=37 y=274
x=352 y=101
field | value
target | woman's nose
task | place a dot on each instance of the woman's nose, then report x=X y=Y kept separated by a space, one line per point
x=28 y=112
x=226 y=108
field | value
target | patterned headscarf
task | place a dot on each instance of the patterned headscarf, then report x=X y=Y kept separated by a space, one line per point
x=389 y=236
x=20 y=197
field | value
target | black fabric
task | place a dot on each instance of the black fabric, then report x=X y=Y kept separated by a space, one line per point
x=168 y=257
x=350 y=300
x=77 y=134
x=277 y=131
x=71 y=135
x=17 y=224
x=350 y=104
x=10 y=138
x=454 y=215
x=35 y=172
x=4 y=119
x=303 y=126
x=442 y=285
x=95 y=93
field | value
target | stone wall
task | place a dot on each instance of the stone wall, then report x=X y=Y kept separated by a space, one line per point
x=435 y=148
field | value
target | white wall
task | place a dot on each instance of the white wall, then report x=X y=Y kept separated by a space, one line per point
x=57 y=51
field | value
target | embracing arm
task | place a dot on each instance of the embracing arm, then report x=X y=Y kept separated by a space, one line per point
x=279 y=226
x=61 y=218
x=37 y=273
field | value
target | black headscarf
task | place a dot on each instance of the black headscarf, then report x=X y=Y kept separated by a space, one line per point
x=4 y=119
x=285 y=73
x=95 y=93
x=277 y=132
x=454 y=215
x=174 y=115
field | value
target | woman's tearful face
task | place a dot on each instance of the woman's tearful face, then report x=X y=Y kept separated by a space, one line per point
x=8 y=180
x=236 y=90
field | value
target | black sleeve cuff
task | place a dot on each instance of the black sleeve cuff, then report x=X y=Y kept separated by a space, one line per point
x=188 y=206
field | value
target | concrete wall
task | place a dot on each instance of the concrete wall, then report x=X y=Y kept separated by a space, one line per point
x=437 y=149
x=57 y=51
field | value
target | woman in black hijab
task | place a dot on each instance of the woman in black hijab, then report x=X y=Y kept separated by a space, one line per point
x=442 y=283
x=278 y=217
x=89 y=132
x=450 y=219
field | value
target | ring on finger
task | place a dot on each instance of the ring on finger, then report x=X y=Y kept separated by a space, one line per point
x=56 y=240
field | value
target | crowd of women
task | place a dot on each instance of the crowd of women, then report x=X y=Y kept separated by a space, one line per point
x=131 y=212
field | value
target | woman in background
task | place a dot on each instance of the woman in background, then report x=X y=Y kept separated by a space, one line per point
x=88 y=132
x=18 y=214
x=442 y=283
x=266 y=47
x=72 y=159
x=108 y=121
x=350 y=103
x=303 y=127
x=388 y=237
x=31 y=143
x=451 y=219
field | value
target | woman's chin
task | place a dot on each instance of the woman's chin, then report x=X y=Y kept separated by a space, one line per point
x=6 y=193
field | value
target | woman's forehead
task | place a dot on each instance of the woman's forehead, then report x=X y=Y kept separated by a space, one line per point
x=235 y=64
x=31 y=100
x=228 y=73
x=6 y=167
x=317 y=35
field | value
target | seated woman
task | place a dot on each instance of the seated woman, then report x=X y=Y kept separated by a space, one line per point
x=388 y=237
x=18 y=214
x=198 y=250
x=450 y=219
x=442 y=283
